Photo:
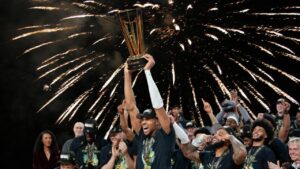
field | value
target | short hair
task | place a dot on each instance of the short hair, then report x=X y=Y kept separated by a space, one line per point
x=294 y=140
x=267 y=127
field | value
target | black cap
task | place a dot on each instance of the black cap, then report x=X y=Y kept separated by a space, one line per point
x=67 y=158
x=90 y=125
x=116 y=129
x=246 y=131
x=202 y=130
x=148 y=114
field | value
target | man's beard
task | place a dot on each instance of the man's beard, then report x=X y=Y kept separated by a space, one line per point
x=217 y=145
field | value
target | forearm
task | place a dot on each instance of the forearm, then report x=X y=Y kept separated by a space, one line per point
x=180 y=133
x=244 y=113
x=110 y=164
x=155 y=96
x=190 y=152
x=130 y=102
x=128 y=91
x=239 y=150
x=124 y=126
x=212 y=118
x=157 y=102
x=220 y=116
x=129 y=161
x=284 y=129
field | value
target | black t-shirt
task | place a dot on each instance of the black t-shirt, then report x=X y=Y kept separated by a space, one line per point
x=179 y=161
x=258 y=158
x=280 y=150
x=105 y=156
x=209 y=161
x=82 y=156
x=155 y=151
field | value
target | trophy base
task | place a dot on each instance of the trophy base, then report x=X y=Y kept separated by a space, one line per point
x=136 y=63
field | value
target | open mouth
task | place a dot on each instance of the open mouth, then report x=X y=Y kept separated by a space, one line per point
x=145 y=129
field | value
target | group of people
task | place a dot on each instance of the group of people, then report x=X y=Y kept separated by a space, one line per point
x=157 y=139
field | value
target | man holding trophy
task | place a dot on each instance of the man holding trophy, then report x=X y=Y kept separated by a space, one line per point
x=154 y=134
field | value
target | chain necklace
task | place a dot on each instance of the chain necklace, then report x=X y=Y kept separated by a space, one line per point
x=215 y=164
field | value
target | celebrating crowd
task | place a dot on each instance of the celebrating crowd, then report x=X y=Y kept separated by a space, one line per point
x=157 y=139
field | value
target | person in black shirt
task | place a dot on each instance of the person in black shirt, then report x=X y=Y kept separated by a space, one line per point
x=294 y=152
x=226 y=151
x=154 y=133
x=259 y=154
x=87 y=148
x=116 y=154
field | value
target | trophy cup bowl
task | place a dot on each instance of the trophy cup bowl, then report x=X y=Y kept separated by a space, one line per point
x=132 y=28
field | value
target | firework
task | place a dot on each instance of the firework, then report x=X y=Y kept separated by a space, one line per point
x=202 y=49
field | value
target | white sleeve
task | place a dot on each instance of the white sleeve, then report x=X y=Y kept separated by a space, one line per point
x=156 y=99
x=180 y=133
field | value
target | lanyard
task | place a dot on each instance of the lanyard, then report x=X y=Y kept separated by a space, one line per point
x=215 y=165
x=250 y=158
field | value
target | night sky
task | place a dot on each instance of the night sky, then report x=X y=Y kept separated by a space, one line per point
x=22 y=95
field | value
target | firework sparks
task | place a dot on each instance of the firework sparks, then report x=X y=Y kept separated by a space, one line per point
x=219 y=40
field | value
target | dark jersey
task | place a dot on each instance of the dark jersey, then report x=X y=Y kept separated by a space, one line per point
x=155 y=151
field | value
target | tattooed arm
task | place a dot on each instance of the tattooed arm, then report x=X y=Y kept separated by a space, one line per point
x=239 y=150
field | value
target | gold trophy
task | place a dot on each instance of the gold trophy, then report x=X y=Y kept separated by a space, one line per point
x=132 y=27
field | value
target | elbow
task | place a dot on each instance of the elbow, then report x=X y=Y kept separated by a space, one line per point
x=240 y=158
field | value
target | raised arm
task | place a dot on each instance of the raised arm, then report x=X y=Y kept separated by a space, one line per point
x=285 y=127
x=123 y=122
x=156 y=100
x=130 y=100
x=207 y=108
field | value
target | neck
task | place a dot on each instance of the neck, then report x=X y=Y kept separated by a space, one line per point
x=258 y=143
x=220 y=151
x=46 y=148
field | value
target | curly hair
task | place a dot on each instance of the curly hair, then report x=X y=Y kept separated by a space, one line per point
x=38 y=145
x=267 y=127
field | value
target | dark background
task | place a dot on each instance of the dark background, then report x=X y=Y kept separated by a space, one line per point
x=21 y=94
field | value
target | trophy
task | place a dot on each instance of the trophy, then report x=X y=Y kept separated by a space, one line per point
x=132 y=28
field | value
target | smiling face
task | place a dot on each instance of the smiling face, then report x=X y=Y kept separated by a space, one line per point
x=294 y=150
x=115 y=138
x=149 y=125
x=78 y=129
x=259 y=134
x=279 y=108
x=231 y=123
x=219 y=138
x=47 y=140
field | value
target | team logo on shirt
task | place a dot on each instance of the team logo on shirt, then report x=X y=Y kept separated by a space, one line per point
x=148 y=154
x=121 y=163
x=90 y=155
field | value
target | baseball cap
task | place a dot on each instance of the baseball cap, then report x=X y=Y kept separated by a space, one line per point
x=280 y=100
x=148 y=114
x=233 y=117
x=189 y=124
x=67 y=158
x=90 y=125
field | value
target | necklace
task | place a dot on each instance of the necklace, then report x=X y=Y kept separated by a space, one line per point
x=215 y=164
